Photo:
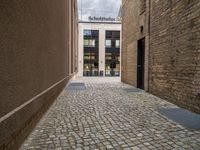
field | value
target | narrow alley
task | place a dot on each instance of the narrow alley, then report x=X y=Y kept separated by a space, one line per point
x=100 y=74
x=103 y=113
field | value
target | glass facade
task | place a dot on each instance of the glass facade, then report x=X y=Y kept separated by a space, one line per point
x=112 y=54
x=91 y=53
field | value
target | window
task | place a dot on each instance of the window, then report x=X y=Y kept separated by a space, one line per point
x=108 y=34
x=89 y=57
x=91 y=33
x=87 y=32
x=117 y=43
x=95 y=33
x=113 y=43
x=91 y=52
x=108 y=43
x=108 y=56
x=89 y=43
x=112 y=56
x=116 y=34
x=86 y=66
x=112 y=34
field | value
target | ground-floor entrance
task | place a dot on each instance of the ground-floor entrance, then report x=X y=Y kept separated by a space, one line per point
x=112 y=69
x=112 y=64
x=91 y=64
x=140 y=63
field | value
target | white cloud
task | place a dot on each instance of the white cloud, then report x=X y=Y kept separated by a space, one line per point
x=105 y=8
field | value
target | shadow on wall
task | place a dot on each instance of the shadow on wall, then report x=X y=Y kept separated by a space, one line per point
x=36 y=62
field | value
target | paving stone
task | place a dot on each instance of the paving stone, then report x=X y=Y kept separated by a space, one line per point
x=109 y=146
x=105 y=116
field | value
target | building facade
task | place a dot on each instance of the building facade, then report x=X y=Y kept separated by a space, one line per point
x=161 y=49
x=99 y=49
x=38 y=57
x=135 y=35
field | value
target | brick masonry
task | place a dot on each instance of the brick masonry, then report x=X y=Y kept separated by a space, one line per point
x=132 y=21
x=174 y=49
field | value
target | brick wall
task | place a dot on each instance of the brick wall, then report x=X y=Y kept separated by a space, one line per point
x=134 y=16
x=175 y=51
x=172 y=52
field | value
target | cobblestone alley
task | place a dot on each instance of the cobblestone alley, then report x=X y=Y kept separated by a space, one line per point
x=103 y=113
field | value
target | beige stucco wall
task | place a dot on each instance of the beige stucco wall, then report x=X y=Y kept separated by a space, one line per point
x=35 y=46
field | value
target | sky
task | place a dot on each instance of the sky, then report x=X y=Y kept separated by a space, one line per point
x=104 y=8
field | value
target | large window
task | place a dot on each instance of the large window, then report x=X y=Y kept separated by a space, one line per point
x=91 y=53
x=112 y=56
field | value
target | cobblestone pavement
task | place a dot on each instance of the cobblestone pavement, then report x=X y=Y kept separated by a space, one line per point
x=105 y=116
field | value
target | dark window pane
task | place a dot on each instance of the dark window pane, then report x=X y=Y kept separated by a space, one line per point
x=108 y=34
x=116 y=34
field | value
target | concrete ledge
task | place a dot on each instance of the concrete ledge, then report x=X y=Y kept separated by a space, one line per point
x=16 y=127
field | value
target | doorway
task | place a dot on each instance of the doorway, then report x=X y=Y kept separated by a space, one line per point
x=140 y=63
